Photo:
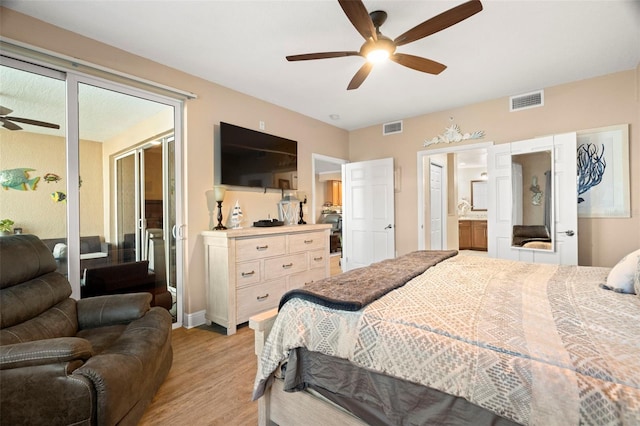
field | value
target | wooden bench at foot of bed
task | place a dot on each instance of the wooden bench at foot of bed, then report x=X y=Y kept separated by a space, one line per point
x=289 y=408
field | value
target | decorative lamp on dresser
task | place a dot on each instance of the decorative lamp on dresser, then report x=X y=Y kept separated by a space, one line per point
x=248 y=270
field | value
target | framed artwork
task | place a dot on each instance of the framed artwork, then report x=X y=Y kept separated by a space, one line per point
x=284 y=184
x=603 y=172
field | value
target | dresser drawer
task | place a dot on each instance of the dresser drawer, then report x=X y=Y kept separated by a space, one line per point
x=285 y=265
x=317 y=259
x=259 y=298
x=307 y=241
x=304 y=278
x=247 y=273
x=259 y=248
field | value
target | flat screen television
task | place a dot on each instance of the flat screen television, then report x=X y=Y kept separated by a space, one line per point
x=249 y=158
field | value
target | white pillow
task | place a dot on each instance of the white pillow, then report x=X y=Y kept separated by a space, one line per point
x=621 y=277
x=60 y=251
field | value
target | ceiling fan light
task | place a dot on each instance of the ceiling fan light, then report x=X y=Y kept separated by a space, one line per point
x=378 y=55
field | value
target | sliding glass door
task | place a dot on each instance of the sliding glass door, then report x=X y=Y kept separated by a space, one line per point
x=104 y=189
x=145 y=205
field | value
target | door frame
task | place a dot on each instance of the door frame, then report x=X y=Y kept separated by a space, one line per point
x=423 y=216
x=311 y=218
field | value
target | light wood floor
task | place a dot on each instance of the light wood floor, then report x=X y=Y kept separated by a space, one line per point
x=211 y=379
x=210 y=382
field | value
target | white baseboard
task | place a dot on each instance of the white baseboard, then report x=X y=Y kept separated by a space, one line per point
x=194 y=320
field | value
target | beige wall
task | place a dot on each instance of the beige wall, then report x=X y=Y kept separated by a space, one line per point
x=46 y=154
x=597 y=102
x=214 y=104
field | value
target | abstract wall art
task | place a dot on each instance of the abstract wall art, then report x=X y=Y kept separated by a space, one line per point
x=603 y=172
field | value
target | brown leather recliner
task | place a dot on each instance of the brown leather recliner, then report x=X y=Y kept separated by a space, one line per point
x=98 y=360
x=133 y=277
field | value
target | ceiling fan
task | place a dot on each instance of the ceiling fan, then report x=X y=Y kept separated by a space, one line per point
x=8 y=122
x=379 y=47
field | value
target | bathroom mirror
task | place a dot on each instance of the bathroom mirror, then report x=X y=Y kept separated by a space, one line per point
x=479 y=195
x=532 y=195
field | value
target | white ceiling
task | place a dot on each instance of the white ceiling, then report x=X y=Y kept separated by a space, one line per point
x=103 y=114
x=509 y=48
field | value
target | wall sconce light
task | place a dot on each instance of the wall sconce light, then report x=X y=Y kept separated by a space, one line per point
x=219 y=192
x=302 y=197
x=536 y=197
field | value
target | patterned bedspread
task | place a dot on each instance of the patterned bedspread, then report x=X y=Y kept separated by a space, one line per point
x=537 y=344
x=355 y=289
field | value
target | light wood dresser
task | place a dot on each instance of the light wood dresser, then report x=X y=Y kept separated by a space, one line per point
x=248 y=270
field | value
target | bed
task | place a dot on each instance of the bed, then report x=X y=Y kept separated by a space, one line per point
x=470 y=340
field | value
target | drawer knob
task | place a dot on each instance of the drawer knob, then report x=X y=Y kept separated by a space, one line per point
x=308 y=241
x=287 y=266
x=317 y=259
x=248 y=274
x=259 y=298
x=266 y=246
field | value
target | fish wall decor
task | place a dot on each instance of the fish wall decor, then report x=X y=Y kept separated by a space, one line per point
x=18 y=179
x=58 y=196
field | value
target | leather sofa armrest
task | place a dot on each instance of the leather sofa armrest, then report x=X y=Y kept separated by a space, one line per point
x=42 y=352
x=114 y=309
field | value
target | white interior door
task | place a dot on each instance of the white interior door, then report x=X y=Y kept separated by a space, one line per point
x=499 y=197
x=368 y=217
x=564 y=202
x=437 y=216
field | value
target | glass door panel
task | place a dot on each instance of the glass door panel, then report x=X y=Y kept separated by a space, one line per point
x=33 y=161
x=171 y=211
x=126 y=206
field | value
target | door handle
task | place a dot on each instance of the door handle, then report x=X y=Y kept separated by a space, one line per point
x=389 y=226
x=568 y=233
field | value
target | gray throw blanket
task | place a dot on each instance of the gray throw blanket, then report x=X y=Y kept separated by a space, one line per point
x=355 y=289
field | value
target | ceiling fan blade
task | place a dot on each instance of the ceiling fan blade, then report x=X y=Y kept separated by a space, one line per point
x=322 y=55
x=362 y=73
x=32 y=122
x=5 y=110
x=359 y=17
x=440 y=22
x=419 y=64
x=9 y=125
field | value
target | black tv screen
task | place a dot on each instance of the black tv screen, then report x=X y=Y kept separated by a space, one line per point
x=254 y=159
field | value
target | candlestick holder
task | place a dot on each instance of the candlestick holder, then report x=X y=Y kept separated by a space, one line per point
x=303 y=200
x=220 y=226
x=219 y=197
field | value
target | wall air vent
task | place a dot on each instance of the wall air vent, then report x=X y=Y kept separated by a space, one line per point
x=526 y=101
x=391 y=128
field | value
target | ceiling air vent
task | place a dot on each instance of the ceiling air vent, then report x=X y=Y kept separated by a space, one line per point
x=391 y=128
x=526 y=101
